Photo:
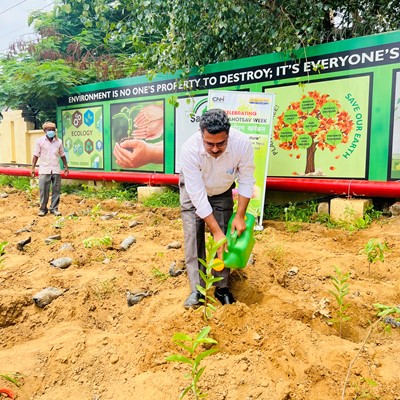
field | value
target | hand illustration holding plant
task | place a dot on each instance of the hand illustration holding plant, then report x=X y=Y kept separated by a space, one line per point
x=149 y=123
x=134 y=153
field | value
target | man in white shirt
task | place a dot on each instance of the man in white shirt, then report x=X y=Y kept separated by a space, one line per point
x=212 y=160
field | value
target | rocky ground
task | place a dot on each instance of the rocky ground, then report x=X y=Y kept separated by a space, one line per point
x=276 y=342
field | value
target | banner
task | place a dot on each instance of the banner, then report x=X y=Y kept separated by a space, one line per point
x=252 y=114
x=82 y=133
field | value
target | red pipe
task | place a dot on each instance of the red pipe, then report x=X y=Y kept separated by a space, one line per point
x=340 y=187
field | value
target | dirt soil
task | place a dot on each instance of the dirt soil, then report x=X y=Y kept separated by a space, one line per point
x=275 y=342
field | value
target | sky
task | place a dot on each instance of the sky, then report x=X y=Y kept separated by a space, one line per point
x=14 y=19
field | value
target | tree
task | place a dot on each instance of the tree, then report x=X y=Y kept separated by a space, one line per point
x=314 y=122
x=111 y=39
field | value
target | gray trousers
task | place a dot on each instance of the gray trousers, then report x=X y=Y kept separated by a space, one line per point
x=45 y=181
x=194 y=233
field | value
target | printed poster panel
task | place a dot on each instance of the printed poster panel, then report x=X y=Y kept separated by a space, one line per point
x=83 y=137
x=251 y=113
x=321 y=129
x=395 y=167
x=187 y=119
x=137 y=136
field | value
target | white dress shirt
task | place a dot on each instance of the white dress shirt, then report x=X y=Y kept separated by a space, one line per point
x=205 y=175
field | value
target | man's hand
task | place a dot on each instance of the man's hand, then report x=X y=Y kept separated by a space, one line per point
x=238 y=224
x=66 y=171
x=33 y=172
x=217 y=237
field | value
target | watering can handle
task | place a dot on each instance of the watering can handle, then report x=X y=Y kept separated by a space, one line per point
x=232 y=238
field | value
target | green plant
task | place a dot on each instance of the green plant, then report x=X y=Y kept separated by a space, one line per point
x=292 y=223
x=375 y=250
x=60 y=221
x=2 y=252
x=190 y=345
x=208 y=301
x=383 y=311
x=159 y=274
x=103 y=290
x=95 y=212
x=276 y=253
x=362 y=389
x=340 y=283
x=101 y=243
x=128 y=114
x=120 y=191
x=13 y=378
x=274 y=212
x=169 y=198
x=17 y=182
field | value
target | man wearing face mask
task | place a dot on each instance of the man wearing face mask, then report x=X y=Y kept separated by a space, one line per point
x=49 y=149
x=212 y=160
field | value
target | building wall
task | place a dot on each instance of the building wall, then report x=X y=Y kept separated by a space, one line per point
x=17 y=138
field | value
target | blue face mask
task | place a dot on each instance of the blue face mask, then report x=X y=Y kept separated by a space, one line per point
x=50 y=134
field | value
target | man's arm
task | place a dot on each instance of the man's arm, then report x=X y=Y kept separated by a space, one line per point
x=34 y=161
x=66 y=170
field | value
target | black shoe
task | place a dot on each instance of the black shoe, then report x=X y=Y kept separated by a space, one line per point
x=224 y=296
x=193 y=301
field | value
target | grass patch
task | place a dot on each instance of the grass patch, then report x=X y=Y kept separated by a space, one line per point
x=170 y=198
x=17 y=182
x=119 y=191
x=293 y=212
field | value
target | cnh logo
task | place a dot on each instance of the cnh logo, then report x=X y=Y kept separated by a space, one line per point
x=218 y=99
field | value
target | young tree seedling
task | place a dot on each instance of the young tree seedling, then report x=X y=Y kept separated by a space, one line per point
x=375 y=250
x=209 y=264
x=190 y=345
x=340 y=283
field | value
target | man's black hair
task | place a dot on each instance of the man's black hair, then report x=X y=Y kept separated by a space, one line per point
x=215 y=121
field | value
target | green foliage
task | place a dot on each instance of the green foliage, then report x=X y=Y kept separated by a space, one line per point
x=170 y=198
x=363 y=389
x=101 y=243
x=364 y=222
x=97 y=242
x=13 y=378
x=190 y=345
x=17 y=182
x=118 y=191
x=383 y=312
x=103 y=289
x=274 y=212
x=341 y=286
x=95 y=212
x=375 y=250
x=208 y=277
x=293 y=212
x=59 y=223
x=84 y=42
x=295 y=215
x=35 y=86
x=2 y=252
x=161 y=276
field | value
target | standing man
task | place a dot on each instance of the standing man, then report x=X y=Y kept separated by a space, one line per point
x=49 y=148
x=212 y=159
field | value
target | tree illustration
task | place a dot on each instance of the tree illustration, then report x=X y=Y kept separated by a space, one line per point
x=314 y=122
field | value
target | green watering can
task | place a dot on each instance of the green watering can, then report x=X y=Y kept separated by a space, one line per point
x=239 y=247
